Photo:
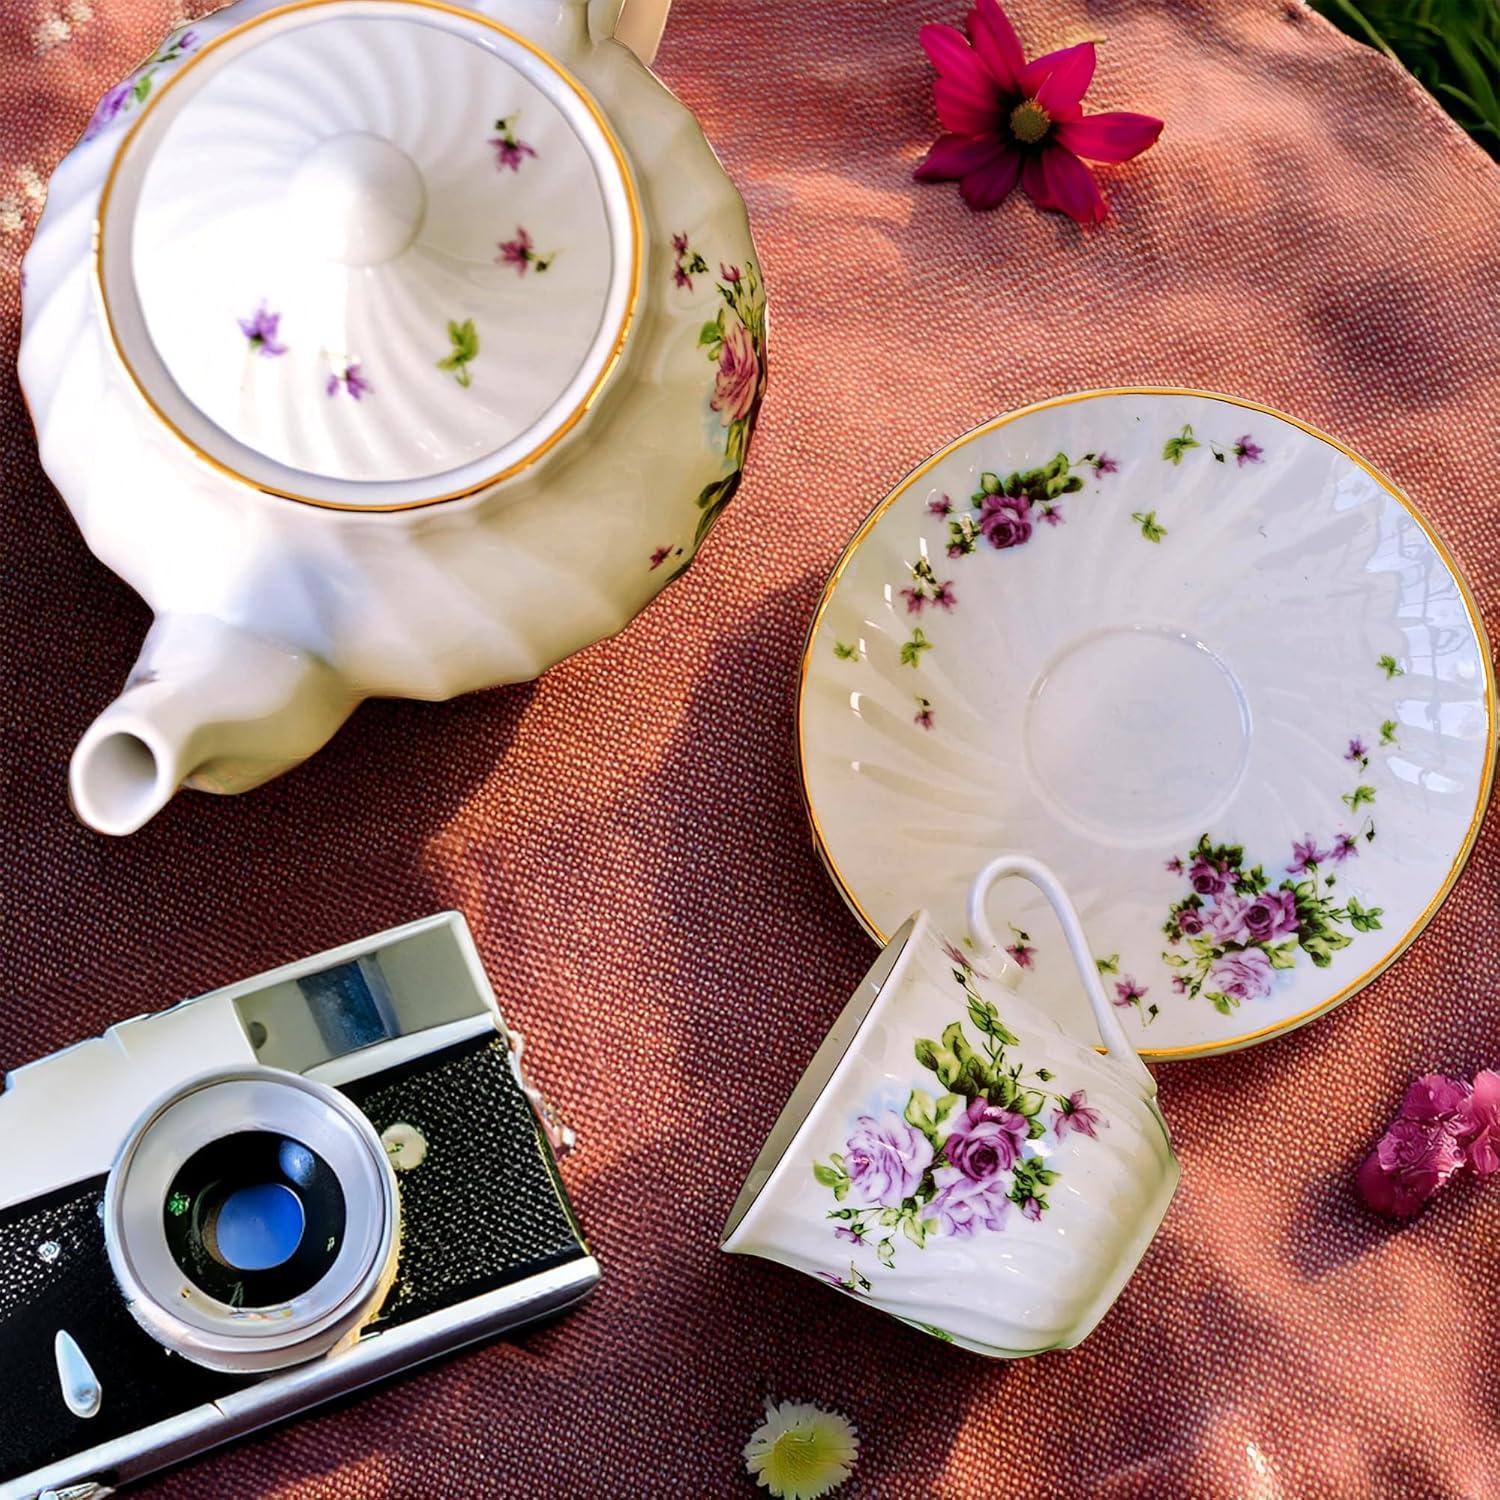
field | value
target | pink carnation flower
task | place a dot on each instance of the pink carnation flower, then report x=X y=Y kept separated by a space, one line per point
x=1481 y=1116
x=1426 y=1144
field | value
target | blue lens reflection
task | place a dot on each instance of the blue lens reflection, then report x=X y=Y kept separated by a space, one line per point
x=259 y=1227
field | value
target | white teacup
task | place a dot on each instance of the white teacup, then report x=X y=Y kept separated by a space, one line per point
x=953 y=1158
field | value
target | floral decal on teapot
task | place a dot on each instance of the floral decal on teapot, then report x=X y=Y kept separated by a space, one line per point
x=463 y=340
x=957 y=1164
x=510 y=149
x=734 y=342
x=261 y=330
x=521 y=252
x=349 y=378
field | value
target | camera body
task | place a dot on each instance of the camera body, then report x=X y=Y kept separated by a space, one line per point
x=219 y=1215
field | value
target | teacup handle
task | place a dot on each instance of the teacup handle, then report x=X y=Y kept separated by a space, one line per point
x=1110 y=1030
x=637 y=24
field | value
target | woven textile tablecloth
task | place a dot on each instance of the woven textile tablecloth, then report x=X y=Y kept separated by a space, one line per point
x=627 y=836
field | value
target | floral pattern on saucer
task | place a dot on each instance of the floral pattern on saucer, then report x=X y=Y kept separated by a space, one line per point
x=1359 y=695
x=133 y=91
x=1238 y=926
x=1006 y=511
x=510 y=149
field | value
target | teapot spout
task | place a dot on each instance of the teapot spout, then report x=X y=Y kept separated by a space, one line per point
x=207 y=705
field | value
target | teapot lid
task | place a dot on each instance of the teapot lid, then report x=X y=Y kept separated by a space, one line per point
x=370 y=253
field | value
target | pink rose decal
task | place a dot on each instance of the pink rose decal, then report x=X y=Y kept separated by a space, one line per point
x=1005 y=520
x=1270 y=915
x=986 y=1139
x=736 y=384
x=1242 y=975
x=886 y=1158
x=964 y=1204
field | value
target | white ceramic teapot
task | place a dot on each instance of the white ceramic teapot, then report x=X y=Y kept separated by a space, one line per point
x=954 y=1158
x=385 y=347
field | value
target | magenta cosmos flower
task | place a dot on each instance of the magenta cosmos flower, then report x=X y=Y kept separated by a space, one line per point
x=1008 y=120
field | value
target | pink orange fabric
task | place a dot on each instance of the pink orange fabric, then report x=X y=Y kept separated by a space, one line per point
x=627 y=836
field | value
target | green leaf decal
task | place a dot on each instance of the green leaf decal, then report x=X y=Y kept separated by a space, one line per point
x=911 y=651
x=1151 y=528
x=464 y=338
x=1175 y=447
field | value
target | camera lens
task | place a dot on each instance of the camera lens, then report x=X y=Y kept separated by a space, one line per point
x=254 y=1218
x=251 y=1220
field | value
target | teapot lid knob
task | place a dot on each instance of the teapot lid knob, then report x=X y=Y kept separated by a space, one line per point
x=357 y=199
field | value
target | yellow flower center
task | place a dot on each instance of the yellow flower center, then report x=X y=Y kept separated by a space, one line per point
x=1029 y=122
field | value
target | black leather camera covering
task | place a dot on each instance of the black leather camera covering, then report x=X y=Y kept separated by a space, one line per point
x=484 y=1209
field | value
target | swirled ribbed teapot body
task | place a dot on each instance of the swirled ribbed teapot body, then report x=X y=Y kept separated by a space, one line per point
x=385 y=347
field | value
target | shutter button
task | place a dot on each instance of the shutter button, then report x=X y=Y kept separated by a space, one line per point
x=405 y=1145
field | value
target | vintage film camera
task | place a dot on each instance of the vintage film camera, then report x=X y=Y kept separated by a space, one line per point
x=219 y=1215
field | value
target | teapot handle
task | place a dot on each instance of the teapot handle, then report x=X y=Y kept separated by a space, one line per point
x=637 y=24
x=1110 y=1030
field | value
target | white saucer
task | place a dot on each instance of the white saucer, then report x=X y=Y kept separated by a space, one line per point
x=1206 y=646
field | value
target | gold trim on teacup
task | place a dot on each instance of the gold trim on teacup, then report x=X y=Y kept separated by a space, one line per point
x=560 y=431
x=1227 y=1044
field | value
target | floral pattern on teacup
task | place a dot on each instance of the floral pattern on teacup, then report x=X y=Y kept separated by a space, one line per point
x=954 y=1165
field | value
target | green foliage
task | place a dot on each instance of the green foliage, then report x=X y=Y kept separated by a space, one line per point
x=1452 y=47
x=1151 y=528
x=911 y=651
x=1175 y=447
x=833 y=1176
x=711 y=501
x=464 y=338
